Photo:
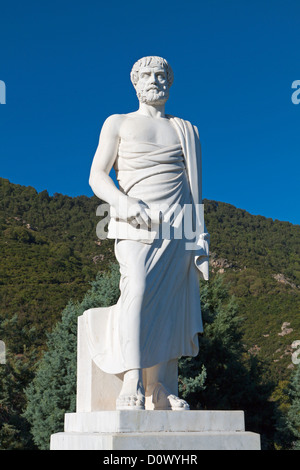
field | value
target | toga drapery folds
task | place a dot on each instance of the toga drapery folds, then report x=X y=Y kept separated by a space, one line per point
x=158 y=315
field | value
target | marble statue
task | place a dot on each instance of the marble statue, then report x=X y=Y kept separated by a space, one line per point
x=157 y=160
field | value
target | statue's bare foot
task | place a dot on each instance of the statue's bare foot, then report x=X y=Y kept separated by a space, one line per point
x=164 y=400
x=132 y=396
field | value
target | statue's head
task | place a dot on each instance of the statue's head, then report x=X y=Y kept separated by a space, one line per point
x=152 y=78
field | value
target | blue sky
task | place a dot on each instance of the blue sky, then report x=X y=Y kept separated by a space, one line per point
x=66 y=66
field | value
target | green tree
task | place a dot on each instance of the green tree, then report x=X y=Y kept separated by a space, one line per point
x=220 y=341
x=223 y=375
x=52 y=393
x=14 y=429
x=293 y=414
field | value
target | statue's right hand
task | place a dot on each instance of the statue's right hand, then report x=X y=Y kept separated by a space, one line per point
x=131 y=210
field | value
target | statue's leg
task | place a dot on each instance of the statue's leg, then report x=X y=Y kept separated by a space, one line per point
x=161 y=383
x=132 y=395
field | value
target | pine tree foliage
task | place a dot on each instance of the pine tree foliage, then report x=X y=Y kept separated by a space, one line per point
x=220 y=342
x=293 y=415
x=52 y=393
x=223 y=375
x=14 y=429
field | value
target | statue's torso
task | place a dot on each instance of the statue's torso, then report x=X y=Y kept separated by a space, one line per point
x=150 y=164
x=139 y=128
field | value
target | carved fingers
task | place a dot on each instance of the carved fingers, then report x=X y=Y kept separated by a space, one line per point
x=137 y=214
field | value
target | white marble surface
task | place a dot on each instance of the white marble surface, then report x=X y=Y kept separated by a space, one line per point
x=157 y=160
x=156 y=441
x=155 y=430
x=97 y=390
x=154 y=421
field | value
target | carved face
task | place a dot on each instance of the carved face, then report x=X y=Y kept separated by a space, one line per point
x=152 y=86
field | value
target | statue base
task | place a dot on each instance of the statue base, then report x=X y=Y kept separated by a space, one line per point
x=155 y=430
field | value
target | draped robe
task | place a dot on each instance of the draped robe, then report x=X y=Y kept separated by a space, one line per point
x=158 y=315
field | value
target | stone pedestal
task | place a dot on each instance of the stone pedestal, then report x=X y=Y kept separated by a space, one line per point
x=98 y=391
x=97 y=425
x=155 y=430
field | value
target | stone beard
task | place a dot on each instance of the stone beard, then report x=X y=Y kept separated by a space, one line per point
x=157 y=318
x=153 y=96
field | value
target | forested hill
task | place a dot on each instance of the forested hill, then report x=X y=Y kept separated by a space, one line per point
x=50 y=252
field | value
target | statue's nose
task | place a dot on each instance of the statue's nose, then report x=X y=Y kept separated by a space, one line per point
x=152 y=78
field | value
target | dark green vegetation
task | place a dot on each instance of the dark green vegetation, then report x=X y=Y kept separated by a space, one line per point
x=260 y=258
x=50 y=253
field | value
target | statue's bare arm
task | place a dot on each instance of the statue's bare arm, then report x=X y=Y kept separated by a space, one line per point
x=105 y=156
x=101 y=183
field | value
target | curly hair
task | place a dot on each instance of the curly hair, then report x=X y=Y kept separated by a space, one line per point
x=151 y=61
